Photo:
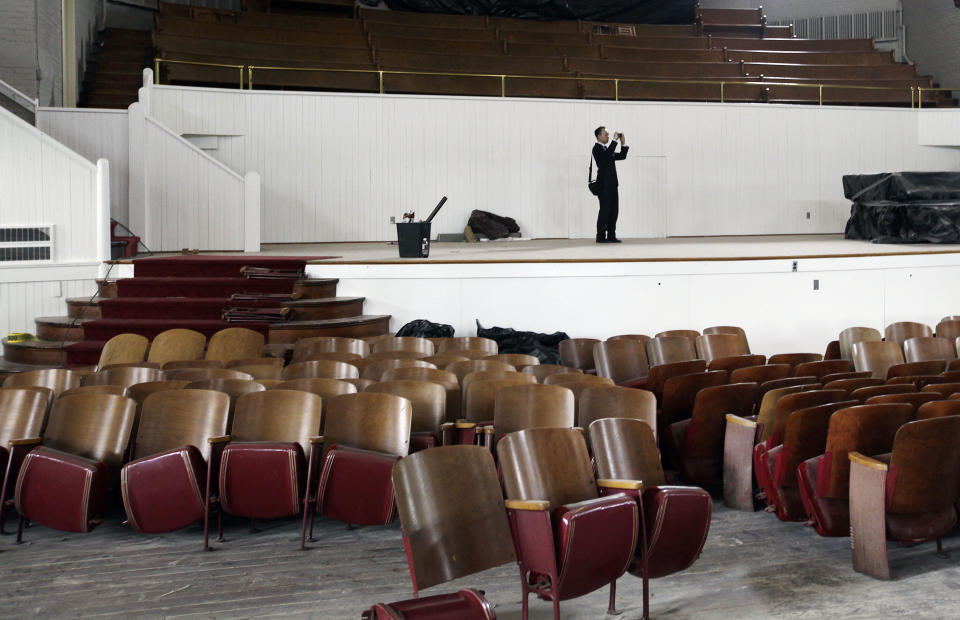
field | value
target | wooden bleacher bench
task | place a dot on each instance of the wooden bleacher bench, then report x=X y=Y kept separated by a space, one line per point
x=259 y=34
x=451 y=46
x=386 y=29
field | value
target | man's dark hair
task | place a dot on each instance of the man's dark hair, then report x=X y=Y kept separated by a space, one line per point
x=596 y=132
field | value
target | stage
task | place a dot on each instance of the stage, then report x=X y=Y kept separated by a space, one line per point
x=790 y=293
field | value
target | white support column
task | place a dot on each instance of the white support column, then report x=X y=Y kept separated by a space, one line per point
x=103 y=213
x=251 y=212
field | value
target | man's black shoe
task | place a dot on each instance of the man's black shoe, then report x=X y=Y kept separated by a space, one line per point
x=601 y=240
x=613 y=240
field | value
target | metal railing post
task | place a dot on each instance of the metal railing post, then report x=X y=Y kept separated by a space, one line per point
x=722 y=84
x=381 y=81
x=912 y=104
x=503 y=86
x=820 y=91
x=250 y=77
x=156 y=70
x=241 y=77
x=616 y=90
x=920 y=97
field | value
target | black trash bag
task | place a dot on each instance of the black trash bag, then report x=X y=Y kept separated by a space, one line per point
x=423 y=328
x=904 y=207
x=492 y=226
x=545 y=347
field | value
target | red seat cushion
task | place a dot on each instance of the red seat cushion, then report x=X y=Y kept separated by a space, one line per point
x=61 y=490
x=462 y=605
x=356 y=487
x=262 y=480
x=166 y=491
x=595 y=542
x=677 y=520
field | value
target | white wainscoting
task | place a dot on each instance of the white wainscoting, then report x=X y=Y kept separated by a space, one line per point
x=336 y=166
x=43 y=182
x=22 y=302
x=939 y=127
x=180 y=197
x=781 y=310
x=94 y=134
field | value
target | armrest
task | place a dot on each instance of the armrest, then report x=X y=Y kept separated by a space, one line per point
x=486 y=437
x=29 y=441
x=620 y=484
x=859 y=459
x=527 y=504
x=739 y=441
x=463 y=424
x=868 y=518
x=745 y=422
x=447 y=434
x=17 y=453
x=218 y=440
x=314 y=467
x=318 y=439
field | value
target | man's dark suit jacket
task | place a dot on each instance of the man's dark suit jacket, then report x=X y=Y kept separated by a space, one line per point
x=606 y=163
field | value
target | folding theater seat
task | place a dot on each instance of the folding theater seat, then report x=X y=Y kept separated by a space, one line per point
x=785 y=407
x=123 y=349
x=172 y=475
x=403 y=343
x=679 y=393
x=466 y=343
x=263 y=471
x=794 y=359
x=374 y=368
x=517 y=360
x=675 y=520
x=578 y=353
x=398 y=355
x=914 y=399
x=23 y=412
x=672 y=349
x=862 y=394
x=364 y=435
x=616 y=402
x=729 y=329
x=908 y=496
x=324 y=388
x=438 y=491
x=877 y=357
x=902 y=331
x=937 y=409
x=56 y=379
x=479 y=398
x=622 y=361
x=822 y=368
x=930 y=349
x=447 y=380
x=697 y=442
x=429 y=402
x=234 y=343
x=569 y=540
x=519 y=407
x=760 y=374
x=63 y=483
x=713 y=346
x=824 y=481
x=804 y=437
x=661 y=373
x=462 y=369
x=192 y=374
x=176 y=345
x=305 y=349
x=850 y=384
x=321 y=369
x=735 y=362
x=544 y=371
x=852 y=335
x=577 y=383
x=124 y=376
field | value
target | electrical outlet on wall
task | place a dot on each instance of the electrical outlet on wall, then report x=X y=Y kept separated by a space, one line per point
x=393 y=219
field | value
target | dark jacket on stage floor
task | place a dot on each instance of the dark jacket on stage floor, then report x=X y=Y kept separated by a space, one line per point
x=606 y=158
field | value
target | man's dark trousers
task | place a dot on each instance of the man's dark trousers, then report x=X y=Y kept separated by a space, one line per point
x=609 y=210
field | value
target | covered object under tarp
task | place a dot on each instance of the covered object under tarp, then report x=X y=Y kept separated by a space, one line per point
x=904 y=207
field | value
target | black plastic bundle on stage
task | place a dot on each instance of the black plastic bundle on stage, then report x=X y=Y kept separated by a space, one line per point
x=623 y=11
x=904 y=207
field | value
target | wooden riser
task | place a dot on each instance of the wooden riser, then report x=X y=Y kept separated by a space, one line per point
x=36 y=352
x=316 y=288
x=77 y=307
x=325 y=308
x=108 y=288
x=59 y=328
x=351 y=327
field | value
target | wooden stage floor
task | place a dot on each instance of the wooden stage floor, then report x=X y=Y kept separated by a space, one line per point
x=642 y=250
x=753 y=566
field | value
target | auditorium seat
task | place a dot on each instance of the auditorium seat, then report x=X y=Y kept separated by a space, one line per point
x=397 y=355
x=365 y=434
x=441 y=377
x=23 y=414
x=729 y=329
x=125 y=376
x=562 y=527
x=937 y=408
x=176 y=457
x=176 y=345
x=794 y=359
x=519 y=407
x=622 y=361
x=577 y=383
x=730 y=363
x=517 y=360
x=202 y=374
x=946 y=389
x=659 y=374
x=710 y=346
x=676 y=519
x=403 y=343
x=258 y=371
x=118 y=390
x=598 y=402
x=909 y=496
x=56 y=379
x=429 y=401
x=480 y=396
x=679 y=394
x=63 y=481
x=468 y=342
x=822 y=368
x=544 y=371
x=863 y=393
x=376 y=367
x=578 y=353
x=949 y=329
x=234 y=343
x=305 y=349
x=326 y=369
x=877 y=357
x=180 y=364
x=760 y=374
x=462 y=369
x=852 y=335
x=324 y=388
x=263 y=469
x=914 y=399
x=824 y=481
x=122 y=349
x=234 y=388
x=901 y=331
x=926 y=348
x=670 y=349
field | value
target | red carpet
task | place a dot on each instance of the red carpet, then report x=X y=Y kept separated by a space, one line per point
x=182 y=292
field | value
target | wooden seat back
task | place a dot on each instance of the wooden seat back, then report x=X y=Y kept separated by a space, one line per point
x=123 y=348
x=867 y=429
x=543 y=371
x=621 y=360
x=172 y=419
x=789 y=403
x=852 y=335
x=479 y=397
x=321 y=369
x=124 y=376
x=23 y=413
x=56 y=379
x=926 y=460
x=902 y=331
x=234 y=343
x=822 y=368
x=927 y=348
x=626 y=449
x=670 y=349
x=176 y=345
x=203 y=374
x=704 y=438
x=441 y=491
x=403 y=343
x=680 y=392
x=710 y=346
x=760 y=374
x=519 y=407
x=278 y=415
x=369 y=421
x=94 y=426
x=306 y=349
x=550 y=464
x=578 y=352
x=469 y=342
x=462 y=369
x=429 y=402
x=600 y=402
x=374 y=370
x=805 y=436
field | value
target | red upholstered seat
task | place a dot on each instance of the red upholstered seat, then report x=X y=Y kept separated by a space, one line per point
x=61 y=490
x=356 y=488
x=164 y=492
x=262 y=480
x=462 y=605
x=677 y=521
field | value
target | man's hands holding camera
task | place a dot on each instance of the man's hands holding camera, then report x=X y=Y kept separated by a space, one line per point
x=619 y=136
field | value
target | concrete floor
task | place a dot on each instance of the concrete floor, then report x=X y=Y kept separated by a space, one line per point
x=753 y=566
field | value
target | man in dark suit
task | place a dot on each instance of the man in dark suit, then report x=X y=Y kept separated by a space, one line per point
x=604 y=152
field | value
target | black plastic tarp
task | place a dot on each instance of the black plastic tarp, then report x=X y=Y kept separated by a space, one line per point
x=904 y=207
x=622 y=11
x=545 y=347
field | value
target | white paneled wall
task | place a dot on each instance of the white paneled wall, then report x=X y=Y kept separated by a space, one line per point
x=94 y=134
x=22 y=302
x=180 y=197
x=43 y=182
x=335 y=167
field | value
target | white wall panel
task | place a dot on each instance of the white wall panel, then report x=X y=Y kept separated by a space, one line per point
x=335 y=167
x=43 y=182
x=780 y=310
x=95 y=134
x=22 y=302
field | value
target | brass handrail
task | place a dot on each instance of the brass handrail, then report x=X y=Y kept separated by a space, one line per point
x=916 y=92
x=157 y=61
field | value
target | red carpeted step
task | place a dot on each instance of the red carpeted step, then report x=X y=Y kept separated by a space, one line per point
x=198 y=287
x=147 y=308
x=214 y=265
x=105 y=329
